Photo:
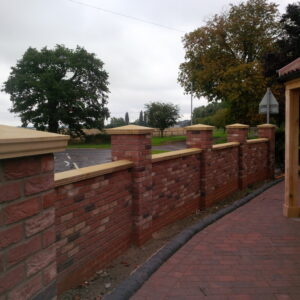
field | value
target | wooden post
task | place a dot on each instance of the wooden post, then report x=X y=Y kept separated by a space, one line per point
x=291 y=205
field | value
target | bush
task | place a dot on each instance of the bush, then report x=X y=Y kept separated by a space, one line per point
x=100 y=138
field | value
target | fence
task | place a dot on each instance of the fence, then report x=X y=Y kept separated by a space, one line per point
x=58 y=229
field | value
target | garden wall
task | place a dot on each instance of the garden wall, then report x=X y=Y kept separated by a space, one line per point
x=58 y=229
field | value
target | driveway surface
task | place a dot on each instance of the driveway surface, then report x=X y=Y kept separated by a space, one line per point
x=79 y=158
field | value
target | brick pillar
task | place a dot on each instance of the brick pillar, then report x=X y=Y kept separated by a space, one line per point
x=239 y=133
x=200 y=136
x=268 y=131
x=133 y=143
x=27 y=214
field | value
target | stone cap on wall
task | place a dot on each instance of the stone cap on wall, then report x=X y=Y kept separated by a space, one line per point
x=237 y=126
x=71 y=176
x=199 y=127
x=266 y=126
x=18 y=142
x=130 y=129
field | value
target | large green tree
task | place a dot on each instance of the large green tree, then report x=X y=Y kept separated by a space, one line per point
x=287 y=49
x=161 y=115
x=59 y=87
x=223 y=59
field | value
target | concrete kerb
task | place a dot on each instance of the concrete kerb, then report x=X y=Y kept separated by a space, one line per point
x=128 y=287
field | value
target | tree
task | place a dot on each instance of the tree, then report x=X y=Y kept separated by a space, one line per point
x=206 y=110
x=287 y=49
x=223 y=58
x=162 y=115
x=141 y=118
x=126 y=118
x=116 y=122
x=59 y=87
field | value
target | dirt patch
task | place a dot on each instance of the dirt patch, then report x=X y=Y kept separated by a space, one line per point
x=105 y=280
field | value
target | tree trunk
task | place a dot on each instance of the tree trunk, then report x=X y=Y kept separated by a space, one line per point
x=53 y=125
x=161 y=133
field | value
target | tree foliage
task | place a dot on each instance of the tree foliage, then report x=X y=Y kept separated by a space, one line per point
x=126 y=118
x=161 y=115
x=223 y=58
x=206 y=110
x=287 y=49
x=58 y=87
x=116 y=122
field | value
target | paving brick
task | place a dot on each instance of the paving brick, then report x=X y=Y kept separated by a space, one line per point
x=252 y=253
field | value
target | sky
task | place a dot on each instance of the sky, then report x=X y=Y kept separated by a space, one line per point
x=142 y=59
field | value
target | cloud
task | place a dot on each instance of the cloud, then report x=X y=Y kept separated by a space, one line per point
x=141 y=59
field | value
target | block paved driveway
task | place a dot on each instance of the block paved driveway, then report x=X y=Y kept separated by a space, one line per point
x=252 y=253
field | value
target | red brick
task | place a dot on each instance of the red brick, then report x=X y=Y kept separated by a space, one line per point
x=11 y=235
x=21 y=251
x=22 y=210
x=27 y=290
x=49 y=199
x=11 y=278
x=49 y=273
x=40 y=222
x=49 y=237
x=38 y=184
x=9 y=191
x=47 y=163
x=1 y=262
x=21 y=167
x=41 y=260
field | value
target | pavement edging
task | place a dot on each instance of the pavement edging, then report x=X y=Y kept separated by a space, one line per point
x=129 y=286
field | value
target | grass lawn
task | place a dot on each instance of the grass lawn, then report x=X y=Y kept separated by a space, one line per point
x=157 y=141
x=219 y=136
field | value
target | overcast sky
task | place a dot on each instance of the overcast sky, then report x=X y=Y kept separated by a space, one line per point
x=142 y=59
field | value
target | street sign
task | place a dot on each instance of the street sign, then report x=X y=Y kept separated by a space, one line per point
x=268 y=105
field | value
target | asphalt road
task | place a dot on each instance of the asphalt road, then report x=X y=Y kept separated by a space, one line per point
x=78 y=158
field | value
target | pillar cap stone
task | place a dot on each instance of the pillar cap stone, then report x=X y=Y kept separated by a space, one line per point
x=19 y=142
x=130 y=129
x=199 y=127
x=237 y=126
x=266 y=126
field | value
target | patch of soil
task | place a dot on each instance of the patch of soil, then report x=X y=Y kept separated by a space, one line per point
x=105 y=280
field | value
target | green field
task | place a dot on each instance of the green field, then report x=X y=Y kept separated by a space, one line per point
x=219 y=136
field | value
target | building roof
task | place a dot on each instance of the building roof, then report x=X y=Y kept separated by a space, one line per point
x=290 y=71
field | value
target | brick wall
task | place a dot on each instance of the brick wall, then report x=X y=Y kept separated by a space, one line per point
x=176 y=189
x=78 y=224
x=93 y=225
x=27 y=233
x=222 y=170
x=256 y=162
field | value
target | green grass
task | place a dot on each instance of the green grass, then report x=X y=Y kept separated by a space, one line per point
x=219 y=133
x=158 y=151
x=157 y=141
x=219 y=136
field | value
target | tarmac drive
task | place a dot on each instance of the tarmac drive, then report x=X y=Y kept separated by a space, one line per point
x=78 y=158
